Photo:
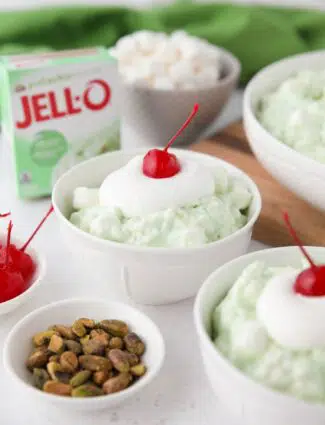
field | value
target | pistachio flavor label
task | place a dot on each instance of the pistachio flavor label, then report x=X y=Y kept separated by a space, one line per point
x=48 y=147
x=57 y=112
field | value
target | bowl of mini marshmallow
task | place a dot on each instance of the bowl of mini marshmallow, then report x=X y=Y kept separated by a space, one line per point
x=162 y=77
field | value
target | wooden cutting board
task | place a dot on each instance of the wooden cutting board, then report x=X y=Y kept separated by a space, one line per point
x=231 y=145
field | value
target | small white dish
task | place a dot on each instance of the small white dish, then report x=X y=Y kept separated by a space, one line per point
x=38 y=278
x=248 y=401
x=300 y=174
x=145 y=274
x=18 y=346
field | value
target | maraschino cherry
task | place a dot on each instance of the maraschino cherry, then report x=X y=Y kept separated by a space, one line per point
x=16 y=266
x=160 y=164
x=12 y=282
x=310 y=282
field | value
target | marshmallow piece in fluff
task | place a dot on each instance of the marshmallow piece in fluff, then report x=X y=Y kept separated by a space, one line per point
x=292 y=320
x=138 y=195
x=84 y=197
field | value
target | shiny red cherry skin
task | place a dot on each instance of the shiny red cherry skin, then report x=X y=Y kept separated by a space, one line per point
x=12 y=284
x=19 y=260
x=160 y=164
x=22 y=262
x=311 y=282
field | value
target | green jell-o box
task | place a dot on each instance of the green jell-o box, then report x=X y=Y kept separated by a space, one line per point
x=57 y=109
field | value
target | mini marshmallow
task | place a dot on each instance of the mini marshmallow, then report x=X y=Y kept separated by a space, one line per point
x=207 y=77
x=181 y=72
x=167 y=53
x=148 y=41
x=84 y=197
x=125 y=48
x=156 y=60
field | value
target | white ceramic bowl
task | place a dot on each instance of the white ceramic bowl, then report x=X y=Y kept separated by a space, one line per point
x=300 y=174
x=250 y=402
x=38 y=278
x=150 y=117
x=18 y=345
x=145 y=274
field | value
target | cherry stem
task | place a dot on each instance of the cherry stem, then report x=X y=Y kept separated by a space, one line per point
x=8 y=242
x=23 y=248
x=186 y=123
x=5 y=215
x=297 y=239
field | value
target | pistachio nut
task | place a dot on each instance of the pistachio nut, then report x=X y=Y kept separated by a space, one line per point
x=102 y=376
x=94 y=363
x=94 y=346
x=79 y=329
x=116 y=342
x=37 y=359
x=84 y=339
x=80 y=378
x=119 y=360
x=64 y=331
x=40 y=376
x=58 y=388
x=87 y=390
x=73 y=346
x=42 y=338
x=117 y=383
x=133 y=359
x=54 y=358
x=114 y=327
x=56 y=344
x=138 y=370
x=134 y=344
x=69 y=362
x=53 y=369
x=88 y=323
x=99 y=332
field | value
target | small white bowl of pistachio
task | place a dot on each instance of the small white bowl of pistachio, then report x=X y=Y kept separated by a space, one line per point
x=83 y=355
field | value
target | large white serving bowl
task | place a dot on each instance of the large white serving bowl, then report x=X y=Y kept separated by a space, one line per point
x=248 y=401
x=18 y=346
x=302 y=175
x=147 y=275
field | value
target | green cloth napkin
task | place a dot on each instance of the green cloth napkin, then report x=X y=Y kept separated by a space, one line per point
x=256 y=35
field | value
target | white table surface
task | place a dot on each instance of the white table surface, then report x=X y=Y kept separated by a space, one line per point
x=179 y=396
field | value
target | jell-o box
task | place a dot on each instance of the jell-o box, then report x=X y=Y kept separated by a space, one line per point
x=57 y=109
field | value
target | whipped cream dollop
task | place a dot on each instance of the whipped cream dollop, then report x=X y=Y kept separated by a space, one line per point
x=198 y=205
x=291 y=319
x=138 y=195
x=271 y=334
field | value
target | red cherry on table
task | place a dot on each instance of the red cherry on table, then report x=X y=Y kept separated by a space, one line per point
x=160 y=164
x=310 y=282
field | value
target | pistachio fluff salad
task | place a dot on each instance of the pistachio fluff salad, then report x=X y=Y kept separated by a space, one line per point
x=294 y=113
x=271 y=326
x=197 y=205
